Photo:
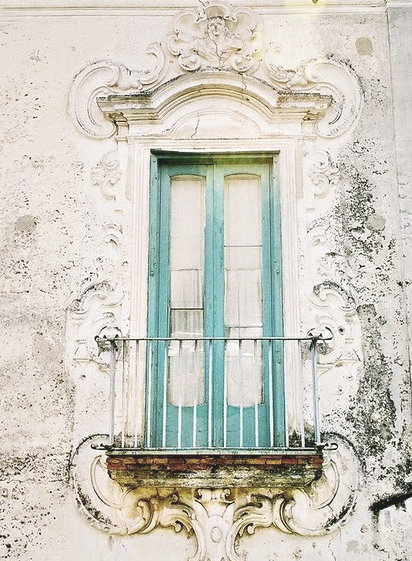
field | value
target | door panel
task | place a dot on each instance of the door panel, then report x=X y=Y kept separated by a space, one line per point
x=212 y=275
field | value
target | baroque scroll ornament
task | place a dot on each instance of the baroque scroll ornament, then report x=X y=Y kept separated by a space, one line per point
x=325 y=76
x=106 y=174
x=218 y=36
x=103 y=78
x=216 y=518
x=323 y=173
x=99 y=305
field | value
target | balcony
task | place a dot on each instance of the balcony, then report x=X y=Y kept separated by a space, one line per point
x=213 y=411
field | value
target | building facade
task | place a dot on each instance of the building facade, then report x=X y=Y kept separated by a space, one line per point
x=205 y=280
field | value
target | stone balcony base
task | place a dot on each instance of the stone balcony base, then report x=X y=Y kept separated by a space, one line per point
x=215 y=497
x=136 y=468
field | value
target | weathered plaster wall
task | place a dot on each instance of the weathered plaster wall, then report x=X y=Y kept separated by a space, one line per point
x=54 y=250
x=401 y=53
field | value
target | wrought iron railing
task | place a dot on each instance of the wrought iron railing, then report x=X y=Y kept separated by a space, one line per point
x=213 y=394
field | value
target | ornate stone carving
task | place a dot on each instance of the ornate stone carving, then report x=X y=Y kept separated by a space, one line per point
x=99 y=304
x=333 y=305
x=97 y=308
x=217 y=36
x=106 y=174
x=323 y=173
x=143 y=513
x=217 y=518
x=326 y=77
x=113 y=234
x=98 y=497
x=102 y=78
x=333 y=301
x=227 y=94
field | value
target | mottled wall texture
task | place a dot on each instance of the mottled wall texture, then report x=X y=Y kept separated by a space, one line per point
x=327 y=86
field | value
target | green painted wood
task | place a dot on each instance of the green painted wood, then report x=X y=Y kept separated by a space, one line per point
x=277 y=308
x=215 y=169
x=272 y=297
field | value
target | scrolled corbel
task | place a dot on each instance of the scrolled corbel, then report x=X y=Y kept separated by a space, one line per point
x=93 y=81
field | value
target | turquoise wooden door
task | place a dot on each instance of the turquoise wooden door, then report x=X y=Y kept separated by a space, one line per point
x=215 y=272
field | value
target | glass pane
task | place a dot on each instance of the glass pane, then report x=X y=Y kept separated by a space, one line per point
x=187 y=222
x=242 y=210
x=186 y=288
x=243 y=298
x=186 y=371
x=186 y=324
x=243 y=288
x=243 y=368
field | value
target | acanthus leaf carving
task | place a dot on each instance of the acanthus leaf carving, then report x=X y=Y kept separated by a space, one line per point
x=104 y=78
x=217 y=36
x=325 y=76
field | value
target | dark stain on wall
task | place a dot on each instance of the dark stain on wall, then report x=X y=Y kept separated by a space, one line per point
x=373 y=412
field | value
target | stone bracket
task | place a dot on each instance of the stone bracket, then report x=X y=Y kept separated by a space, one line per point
x=217 y=518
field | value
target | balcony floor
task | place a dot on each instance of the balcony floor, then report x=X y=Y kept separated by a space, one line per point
x=214 y=469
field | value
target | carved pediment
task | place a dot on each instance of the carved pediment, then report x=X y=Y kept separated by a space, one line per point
x=224 y=93
x=221 y=40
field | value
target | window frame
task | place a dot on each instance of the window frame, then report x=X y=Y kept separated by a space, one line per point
x=159 y=207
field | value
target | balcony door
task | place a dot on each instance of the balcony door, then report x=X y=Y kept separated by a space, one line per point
x=214 y=292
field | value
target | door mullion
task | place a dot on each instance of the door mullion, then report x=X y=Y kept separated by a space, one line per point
x=218 y=299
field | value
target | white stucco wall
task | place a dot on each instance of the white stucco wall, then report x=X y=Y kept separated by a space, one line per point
x=58 y=250
x=400 y=46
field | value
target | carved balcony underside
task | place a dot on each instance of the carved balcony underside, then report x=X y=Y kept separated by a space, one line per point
x=216 y=512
